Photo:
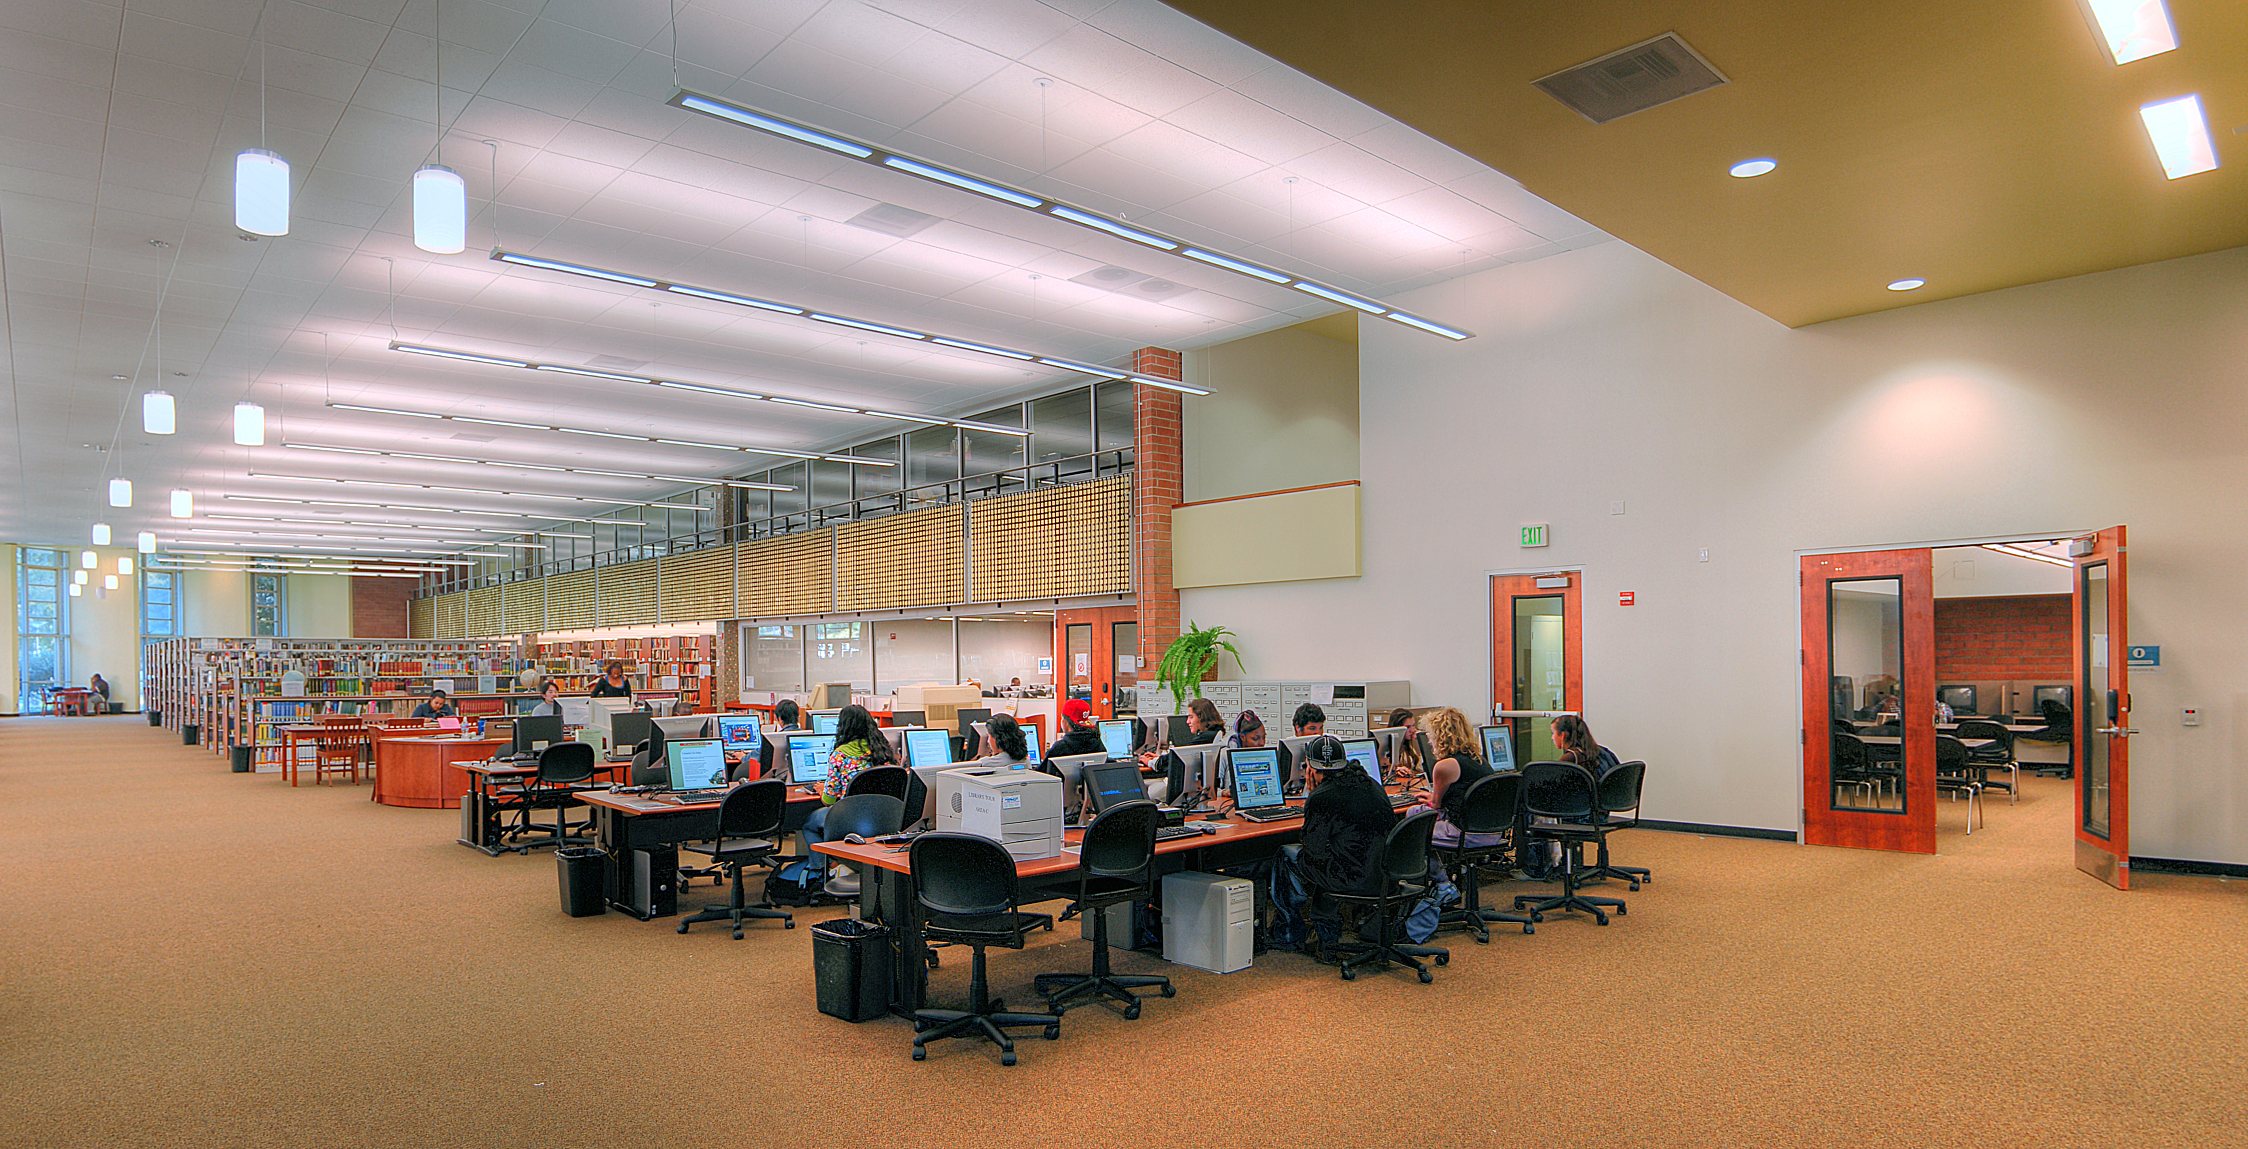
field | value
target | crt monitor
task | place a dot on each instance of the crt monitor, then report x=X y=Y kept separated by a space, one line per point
x=1256 y=778
x=1961 y=699
x=1116 y=738
x=807 y=757
x=696 y=764
x=1360 y=751
x=531 y=731
x=1110 y=786
x=1498 y=747
x=824 y=722
x=2040 y=695
x=928 y=748
x=628 y=729
x=910 y=717
x=738 y=732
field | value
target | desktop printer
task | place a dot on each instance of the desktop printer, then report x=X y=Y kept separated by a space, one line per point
x=1020 y=809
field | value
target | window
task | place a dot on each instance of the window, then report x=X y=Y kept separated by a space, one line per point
x=269 y=605
x=159 y=610
x=42 y=624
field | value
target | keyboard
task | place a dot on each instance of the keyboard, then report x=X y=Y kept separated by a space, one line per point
x=1271 y=813
x=1400 y=801
x=1174 y=833
x=698 y=795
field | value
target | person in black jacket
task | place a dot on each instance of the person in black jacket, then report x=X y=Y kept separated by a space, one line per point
x=786 y=715
x=1346 y=820
x=1079 y=735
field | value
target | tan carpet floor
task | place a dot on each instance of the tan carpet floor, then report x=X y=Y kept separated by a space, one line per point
x=192 y=957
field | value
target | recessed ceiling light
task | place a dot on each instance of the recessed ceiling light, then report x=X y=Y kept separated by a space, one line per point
x=1749 y=169
x=2134 y=29
x=1907 y=284
x=2180 y=135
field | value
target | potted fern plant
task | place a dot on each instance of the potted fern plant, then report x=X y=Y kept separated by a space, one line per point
x=1191 y=657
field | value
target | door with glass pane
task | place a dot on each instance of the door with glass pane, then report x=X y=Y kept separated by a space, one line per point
x=1869 y=700
x=1089 y=639
x=1537 y=654
x=2103 y=709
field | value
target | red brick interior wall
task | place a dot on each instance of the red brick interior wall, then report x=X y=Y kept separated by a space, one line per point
x=378 y=607
x=2009 y=637
x=1161 y=485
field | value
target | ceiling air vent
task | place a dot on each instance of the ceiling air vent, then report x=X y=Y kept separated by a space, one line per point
x=1634 y=79
x=890 y=219
x=1125 y=281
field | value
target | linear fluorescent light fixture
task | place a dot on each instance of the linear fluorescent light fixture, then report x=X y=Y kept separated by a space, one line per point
x=1028 y=201
x=2180 y=135
x=535 y=467
x=2134 y=29
x=599 y=502
x=573 y=269
x=808 y=313
x=2025 y=553
x=783 y=452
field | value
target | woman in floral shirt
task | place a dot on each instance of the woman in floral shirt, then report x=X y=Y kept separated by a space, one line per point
x=859 y=745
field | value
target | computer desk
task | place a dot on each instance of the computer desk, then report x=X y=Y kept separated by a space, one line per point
x=623 y=823
x=480 y=817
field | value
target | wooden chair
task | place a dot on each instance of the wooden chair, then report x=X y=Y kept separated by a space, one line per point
x=338 y=747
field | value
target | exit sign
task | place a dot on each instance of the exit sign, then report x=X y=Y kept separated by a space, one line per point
x=1534 y=535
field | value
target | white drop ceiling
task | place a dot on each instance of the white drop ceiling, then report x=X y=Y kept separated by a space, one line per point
x=119 y=124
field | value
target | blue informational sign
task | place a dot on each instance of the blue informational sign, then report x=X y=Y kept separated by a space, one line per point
x=2142 y=657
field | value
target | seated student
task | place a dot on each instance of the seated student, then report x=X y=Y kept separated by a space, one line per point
x=859 y=745
x=1309 y=720
x=1003 y=743
x=1206 y=725
x=1408 y=748
x=1248 y=732
x=550 y=700
x=1573 y=738
x=1346 y=820
x=1079 y=735
x=99 y=691
x=436 y=706
x=786 y=714
x=1458 y=765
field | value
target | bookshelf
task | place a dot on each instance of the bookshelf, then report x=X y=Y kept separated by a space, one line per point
x=685 y=665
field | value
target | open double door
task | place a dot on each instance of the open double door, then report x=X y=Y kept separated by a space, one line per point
x=1877 y=608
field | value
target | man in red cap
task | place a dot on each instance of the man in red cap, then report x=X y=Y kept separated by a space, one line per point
x=1079 y=735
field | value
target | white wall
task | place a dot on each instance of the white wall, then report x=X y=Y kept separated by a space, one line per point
x=319 y=606
x=105 y=628
x=1283 y=414
x=214 y=604
x=1602 y=375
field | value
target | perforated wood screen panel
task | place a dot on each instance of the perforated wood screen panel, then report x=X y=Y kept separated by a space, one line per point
x=792 y=575
x=483 y=612
x=1055 y=543
x=626 y=594
x=523 y=606
x=452 y=615
x=569 y=601
x=697 y=586
x=423 y=623
x=903 y=560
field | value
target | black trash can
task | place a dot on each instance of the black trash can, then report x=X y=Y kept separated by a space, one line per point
x=579 y=869
x=155 y=718
x=242 y=759
x=188 y=731
x=851 y=968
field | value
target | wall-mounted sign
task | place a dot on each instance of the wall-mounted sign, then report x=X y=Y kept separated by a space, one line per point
x=2142 y=657
x=1045 y=666
x=1534 y=535
x=1626 y=598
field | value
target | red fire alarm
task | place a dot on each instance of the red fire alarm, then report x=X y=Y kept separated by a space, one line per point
x=1625 y=597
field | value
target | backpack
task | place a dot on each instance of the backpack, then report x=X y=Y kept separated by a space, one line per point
x=792 y=886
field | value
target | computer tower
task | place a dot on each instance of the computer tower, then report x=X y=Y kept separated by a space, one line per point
x=1208 y=921
x=652 y=889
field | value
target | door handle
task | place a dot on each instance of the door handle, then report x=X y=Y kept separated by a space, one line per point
x=2116 y=731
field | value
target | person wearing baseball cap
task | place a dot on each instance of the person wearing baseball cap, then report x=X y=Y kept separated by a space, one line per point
x=1079 y=735
x=1346 y=820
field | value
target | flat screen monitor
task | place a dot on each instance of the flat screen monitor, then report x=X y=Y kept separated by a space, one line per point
x=1360 y=751
x=807 y=757
x=1197 y=771
x=910 y=717
x=823 y=722
x=696 y=763
x=968 y=720
x=1178 y=728
x=1116 y=738
x=1030 y=745
x=628 y=728
x=1070 y=768
x=738 y=732
x=1386 y=740
x=1498 y=747
x=1111 y=785
x=928 y=748
x=1256 y=778
x=535 y=733
x=576 y=711
x=684 y=725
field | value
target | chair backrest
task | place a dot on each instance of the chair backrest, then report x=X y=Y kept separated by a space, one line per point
x=1951 y=755
x=962 y=874
x=1849 y=753
x=867 y=815
x=1405 y=854
x=1618 y=789
x=1557 y=790
x=753 y=810
x=566 y=763
x=890 y=780
x=1981 y=728
x=1491 y=805
x=1121 y=842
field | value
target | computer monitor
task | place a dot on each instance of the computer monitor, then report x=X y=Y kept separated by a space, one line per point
x=927 y=776
x=1196 y=772
x=738 y=732
x=1070 y=768
x=1361 y=753
x=807 y=757
x=684 y=725
x=1256 y=778
x=926 y=747
x=1387 y=739
x=1961 y=699
x=968 y=720
x=910 y=717
x=1157 y=735
x=2040 y=695
x=696 y=763
x=628 y=729
x=1116 y=737
x=824 y=721
x=1112 y=784
x=604 y=709
x=533 y=734
x=576 y=711
x=1030 y=745
x=1178 y=728
x=1498 y=747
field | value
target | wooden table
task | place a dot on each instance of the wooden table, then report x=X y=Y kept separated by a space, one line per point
x=629 y=824
x=77 y=700
x=425 y=772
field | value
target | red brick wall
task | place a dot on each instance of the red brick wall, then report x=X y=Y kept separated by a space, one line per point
x=378 y=607
x=2008 y=637
x=1161 y=485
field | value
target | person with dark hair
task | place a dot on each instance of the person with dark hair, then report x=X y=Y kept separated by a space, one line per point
x=550 y=699
x=1573 y=738
x=613 y=683
x=1310 y=719
x=1003 y=744
x=787 y=716
x=99 y=689
x=1248 y=731
x=1079 y=735
x=1408 y=747
x=1207 y=723
x=859 y=745
x=1346 y=820
x=436 y=706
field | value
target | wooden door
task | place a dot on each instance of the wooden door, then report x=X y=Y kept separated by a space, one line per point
x=1085 y=654
x=1868 y=632
x=1537 y=654
x=2102 y=703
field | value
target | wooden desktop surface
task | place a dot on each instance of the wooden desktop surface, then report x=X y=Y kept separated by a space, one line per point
x=1233 y=829
x=644 y=804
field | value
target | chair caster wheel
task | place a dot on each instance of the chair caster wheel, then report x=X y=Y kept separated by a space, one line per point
x=920 y=1054
x=737 y=935
x=1427 y=977
x=1444 y=959
x=1529 y=929
x=1622 y=910
x=1053 y=1033
x=788 y=923
x=1132 y=1013
x=1349 y=974
x=682 y=927
x=1482 y=939
x=1168 y=991
x=1007 y=1057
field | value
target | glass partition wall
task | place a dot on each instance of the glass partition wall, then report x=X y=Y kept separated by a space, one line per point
x=996 y=651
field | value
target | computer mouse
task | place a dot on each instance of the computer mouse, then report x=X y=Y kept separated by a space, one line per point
x=854 y=839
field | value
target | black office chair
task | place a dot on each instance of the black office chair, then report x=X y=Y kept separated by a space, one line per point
x=965 y=886
x=650 y=769
x=1999 y=755
x=1849 y=766
x=2060 y=727
x=1562 y=794
x=748 y=821
x=1115 y=866
x=565 y=769
x=1401 y=871
x=890 y=780
x=868 y=816
x=1616 y=807
x=1490 y=807
x=1955 y=775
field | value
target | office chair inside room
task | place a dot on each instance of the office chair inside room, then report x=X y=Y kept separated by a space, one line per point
x=1115 y=866
x=1616 y=807
x=890 y=780
x=1560 y=798
x=564 y=769
x=1402 y=873
x=966 y=889
x=1999 y=755
x=1955 y=775
x=748 y=821
x=1492 y=804
x=868 y=816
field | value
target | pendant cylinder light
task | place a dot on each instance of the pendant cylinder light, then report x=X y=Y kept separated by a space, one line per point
x=75 y=590
x=101 y=534
x=183 y=503
x=109 y=582
x=145 y=542
x=440 y=210
x=261 y=192
x=88 y=559
x=158 y=416
x=120 y=492
x=249 y=424
x=124 y=564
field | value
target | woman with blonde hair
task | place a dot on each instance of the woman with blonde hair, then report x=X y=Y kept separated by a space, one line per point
x=1457 y=767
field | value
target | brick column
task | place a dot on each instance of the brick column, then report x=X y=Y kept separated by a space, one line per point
x=1159 y=486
